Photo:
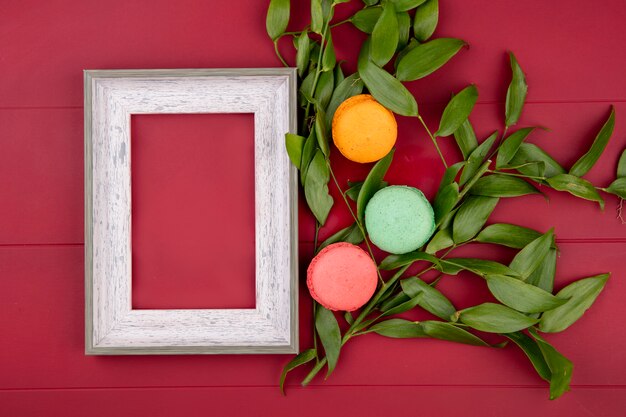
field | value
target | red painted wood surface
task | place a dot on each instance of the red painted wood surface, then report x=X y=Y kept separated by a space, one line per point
x=574 y=57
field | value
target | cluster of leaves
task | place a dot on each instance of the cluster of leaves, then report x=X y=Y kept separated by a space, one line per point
x=503 y=165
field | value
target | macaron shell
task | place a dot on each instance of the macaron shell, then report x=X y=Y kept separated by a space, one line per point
x=342 y=277
x=399 y=219
x=364 y=130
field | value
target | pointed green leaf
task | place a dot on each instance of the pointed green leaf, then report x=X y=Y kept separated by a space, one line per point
x=323 y=92
x=348 y=317
x=521 y=296
x=355 y=188
x=450 y=175
x=385 y=36
x=497 y=185
x=482 y=267
x=397 y=261
x=351 y=234
x=350 y=86
x=308 y=152
x=304 y=49
x=511 y=144
x=320 y=131
x=575 y=186
x=516 y=93
x=560 y=367
x=294 y=144
x=317 y=16
x=425 y=20
x=277 y=18
x=301 y=359
x=528 y=259
x=466 y=138
x=404 y=5
x=394 y=301
x=372 y=184
x=543 y=275
x=316 y=188
x=621 y=165
x=441 y=240
x=495 y=318
x=445 y=201
x=532 y=351
x=404 y=27
x=365 y=19
x=457 y=111
x=448 y=331
x=330 y=335
x=588 y=160
x=471 y=217
x=618 y=187
x=404 y=307
x=398 y=328
x=306 y=89
x=528 y=152
x=580 y=294
x=432 y=299
x=509 y=235
x=328 y=56
x=428 y=57
x=387 y=90
x=476 y=158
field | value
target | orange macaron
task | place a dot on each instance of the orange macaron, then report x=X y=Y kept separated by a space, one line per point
x=363 y=129
x=342 y=277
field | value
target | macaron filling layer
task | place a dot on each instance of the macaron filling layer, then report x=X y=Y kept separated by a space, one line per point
x=342 y=277
x=399 y=219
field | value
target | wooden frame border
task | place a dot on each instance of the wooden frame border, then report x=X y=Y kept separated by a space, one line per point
x=112 y=327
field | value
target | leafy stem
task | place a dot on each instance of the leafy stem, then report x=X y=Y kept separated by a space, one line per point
x=432 y=138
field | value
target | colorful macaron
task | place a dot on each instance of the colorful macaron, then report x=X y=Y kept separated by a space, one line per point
x=399 y=219
x=363 y=129
x=342 y=277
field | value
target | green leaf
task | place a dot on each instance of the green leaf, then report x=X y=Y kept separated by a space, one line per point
x=386 y=89
x=425 y=20
x=450 y=175
x=306 y=89
x=543 y=276
x=385 y=36
x=339 y=76
x=404 y=5
x=621 y=165
x=516 y=93
x=509 y=235
x=355 y=188
x=457 y=111
x=316 y=188
x=532 y=351
x=528 y=259
x=511 y=144
x=441 y=240
x=323 y=92
x=351 y=234
x=482 y=267
x=365 y=19
x=330 y=335
x=404 y=27
x=317 y=16
x=560 y=367
x=495 y=318
x=392 y=302
x=320 y=131
x=372 y=184
x=277 y=18
x=348 y=317
x=618 y=187
x=466 y=138
x=527 y=153
x=581 y=295
x=328 y=56
x=398 y=328
x=304 y=49
x=370 y=2
x=445 y=201
x=521 y=296
x=471 y=217
x=294 y=144
x=588 y=160
x=432 y=299
x=448 y=331
x=497 y=185
x=308 y=152
x=575 y=186
x=476 y=158
x=397 y=261
x=350 y=86
x=301 y=359
x=404 y=307
x=427 y=57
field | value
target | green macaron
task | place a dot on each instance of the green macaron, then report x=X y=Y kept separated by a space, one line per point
x=399 y=219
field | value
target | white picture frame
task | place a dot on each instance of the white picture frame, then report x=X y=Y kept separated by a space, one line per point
x=112 y=326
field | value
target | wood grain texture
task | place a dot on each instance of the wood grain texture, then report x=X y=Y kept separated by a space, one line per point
x=112 y=327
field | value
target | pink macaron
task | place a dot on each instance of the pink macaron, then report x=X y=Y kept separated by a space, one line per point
x=342 y=277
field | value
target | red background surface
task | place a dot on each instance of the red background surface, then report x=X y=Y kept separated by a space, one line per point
x=574 y=57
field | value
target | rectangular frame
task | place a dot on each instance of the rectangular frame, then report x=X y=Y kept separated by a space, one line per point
x=111 y=325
